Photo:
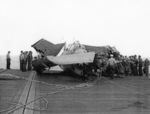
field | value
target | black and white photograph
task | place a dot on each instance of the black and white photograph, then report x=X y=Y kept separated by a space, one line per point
x=74 y=57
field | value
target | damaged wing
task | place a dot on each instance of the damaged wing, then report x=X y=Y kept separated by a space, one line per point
x=98 y=49
x=73 y=58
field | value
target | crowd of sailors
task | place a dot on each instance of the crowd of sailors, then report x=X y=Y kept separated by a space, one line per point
x=125 y=66
x=121 y=65
x=25 y=59
x=135 y=65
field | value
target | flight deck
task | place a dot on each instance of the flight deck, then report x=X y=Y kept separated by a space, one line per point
x=58 y=93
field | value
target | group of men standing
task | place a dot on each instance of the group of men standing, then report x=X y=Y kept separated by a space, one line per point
x=131 y=65
x=136 y=66
x=26 y=60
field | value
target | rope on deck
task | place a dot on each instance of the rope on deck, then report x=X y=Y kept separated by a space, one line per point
x=62 y=88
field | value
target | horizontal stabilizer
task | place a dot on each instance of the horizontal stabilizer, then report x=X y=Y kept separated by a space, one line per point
x=73 y=58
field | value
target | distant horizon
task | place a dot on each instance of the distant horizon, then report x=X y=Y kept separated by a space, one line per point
x=35 y=53
x=17 y=55
x=15 y=64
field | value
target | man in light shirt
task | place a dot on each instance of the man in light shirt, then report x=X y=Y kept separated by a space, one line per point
x=111 y=66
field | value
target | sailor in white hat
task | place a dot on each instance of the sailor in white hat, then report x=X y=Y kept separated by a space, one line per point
x=111 y=55
x=111 y=66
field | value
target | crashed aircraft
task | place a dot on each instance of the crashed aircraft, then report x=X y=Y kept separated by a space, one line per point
x=77 y=58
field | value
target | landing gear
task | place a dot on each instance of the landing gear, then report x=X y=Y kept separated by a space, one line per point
x=39 y=71
x=93 y=74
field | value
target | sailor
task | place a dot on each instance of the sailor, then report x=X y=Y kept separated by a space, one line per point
x=21 y=52
x=21 y=61
x=111 y=66
x=135 y=67
x=29 y=58
x=8 y=59
x=25 y=60
x=126 y=60
x=98 y=66
x=140 y=66
x=130 y=66
x=146 y=66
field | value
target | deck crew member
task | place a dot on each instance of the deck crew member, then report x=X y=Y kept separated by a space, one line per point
x=25 y=60
x=29 y=58
x=98 y=66
x=21 y=52
x=111 y=66
x=21 y=61
x=8 y=59
x=140 y=66
x=146 y=65
x=135 y=67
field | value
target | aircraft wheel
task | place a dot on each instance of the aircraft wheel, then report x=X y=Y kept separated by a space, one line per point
x=39 y=71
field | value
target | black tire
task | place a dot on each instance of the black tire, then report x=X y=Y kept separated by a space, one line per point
x=39 y=71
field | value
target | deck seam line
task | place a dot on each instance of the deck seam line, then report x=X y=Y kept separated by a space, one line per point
x=19 y=109
x=32 y=89
x=28 y=92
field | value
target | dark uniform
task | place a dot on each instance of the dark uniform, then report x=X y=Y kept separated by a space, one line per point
x=29 y=58
x=20 y=59
x=8 y=60
x=25 y=61
x=22 y=62
x=140 y=66
x=146 y=66
x=135 y=66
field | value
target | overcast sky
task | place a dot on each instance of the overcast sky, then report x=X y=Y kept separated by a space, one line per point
x=124 y=24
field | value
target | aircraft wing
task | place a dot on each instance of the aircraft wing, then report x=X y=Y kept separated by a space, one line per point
x=73 y=58
x=98 y=49
x=47 y=48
